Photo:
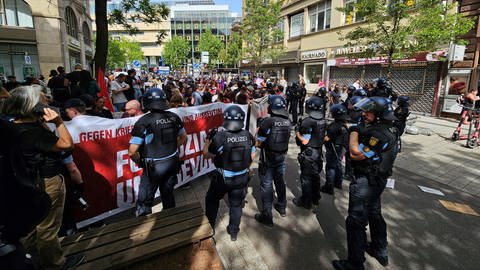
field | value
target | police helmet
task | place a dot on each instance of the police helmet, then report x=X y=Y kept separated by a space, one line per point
x=277 y=106
x=339 y=112
x=380 y=106
x=322 y=91
x=233 y=118
x=294 y=84
x=381 y=82
x=351 y=89
x=360 y=92
x=314 y=107
x=155 y=99
x=355 y=99
x=403 y=101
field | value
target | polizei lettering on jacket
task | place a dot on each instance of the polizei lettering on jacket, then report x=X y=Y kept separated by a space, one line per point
x=164 y=121
x=237 y=139
x=281 y=124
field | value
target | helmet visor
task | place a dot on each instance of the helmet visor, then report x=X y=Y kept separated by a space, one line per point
x=365 y=105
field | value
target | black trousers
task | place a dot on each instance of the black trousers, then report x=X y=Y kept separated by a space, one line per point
x=311 y=164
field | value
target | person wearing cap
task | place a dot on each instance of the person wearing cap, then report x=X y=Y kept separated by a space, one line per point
x=373 y=148
x=232 y=150
x=273 y=136
x=309 y=136
x=156 y=137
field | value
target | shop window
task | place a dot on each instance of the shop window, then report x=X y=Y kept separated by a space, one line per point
x=296 y=25
x=320 y=16
x=87 y=38
x=351 y=14
x=15 y=13
x=71 y=22
x=313 y=73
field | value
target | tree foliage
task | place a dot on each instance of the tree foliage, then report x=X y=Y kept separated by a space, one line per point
x=232 y=53
x=128 y=12
x=400 y=28
x=212 y=44
x=176 y=51
x=260 y=32
x=122 y=52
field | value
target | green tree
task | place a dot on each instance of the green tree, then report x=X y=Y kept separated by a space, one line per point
x=122 y=52
x=399 y=28
x=260 y=32
x=212 y=44
x=176 y=51
x=129 y=11
x=232 y=53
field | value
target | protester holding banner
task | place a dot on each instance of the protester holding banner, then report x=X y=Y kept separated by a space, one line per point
x=233 y=150
x=155 y=139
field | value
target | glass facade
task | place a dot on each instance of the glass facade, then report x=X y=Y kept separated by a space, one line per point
x=15 y=13
x=296 y=25
x=20 y=60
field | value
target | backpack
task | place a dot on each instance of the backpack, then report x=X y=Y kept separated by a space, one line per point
x=23 y=204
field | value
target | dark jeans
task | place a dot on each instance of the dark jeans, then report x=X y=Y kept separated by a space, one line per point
x=301 y=106
x=311 y=164
x=333 y=168
x=273 y=175
x=161 y=174
x=236 y=189
x=364 y=208
x=294 y=110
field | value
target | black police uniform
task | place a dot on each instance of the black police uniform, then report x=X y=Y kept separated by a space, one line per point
x=157 y=132
x=310 y=159
x=335 y=148
x=274 y=133
x=301 y=102
x=232 y=151
x=294 y=97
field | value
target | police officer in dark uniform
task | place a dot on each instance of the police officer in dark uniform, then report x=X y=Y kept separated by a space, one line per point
x=301 y=101
x=383 y=89
x=322 y=92
x=355 y=116
x=350 y=90
x=373 y=151
x=154 y=146
x=273 y=136
x=294 y=97
x=232 y=150
x=336 y=142
x=309 y=136
x=401 y=112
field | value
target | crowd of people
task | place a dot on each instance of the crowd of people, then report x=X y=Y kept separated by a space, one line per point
x=38 y=165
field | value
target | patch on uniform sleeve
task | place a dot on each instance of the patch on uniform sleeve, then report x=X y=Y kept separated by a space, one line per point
x=373 y=141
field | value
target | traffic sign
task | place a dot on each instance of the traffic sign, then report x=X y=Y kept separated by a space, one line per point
x=136 y=63
x=196 y=66
x=205 y=57
x=28 y=60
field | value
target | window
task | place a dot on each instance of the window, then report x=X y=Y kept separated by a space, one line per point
x=71 y=22
x=351 y=15
x=320 y=16
x=313 y=73
x=15 y=13
x=281 y=27
x=87 y=39
x=296 y=25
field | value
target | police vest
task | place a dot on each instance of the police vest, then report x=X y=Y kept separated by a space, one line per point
x=342 y=136
x=277 y=140
x=236 y=152
x=318 y=132
x=161 y=135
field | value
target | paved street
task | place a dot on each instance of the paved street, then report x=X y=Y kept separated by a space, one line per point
x=422 y=234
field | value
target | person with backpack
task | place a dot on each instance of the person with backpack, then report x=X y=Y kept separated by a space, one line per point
x=59 y=86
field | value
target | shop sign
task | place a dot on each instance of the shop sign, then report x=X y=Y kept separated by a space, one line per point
x=423 y=57
x=315 y=54
x=350 y=50
x=73 y=41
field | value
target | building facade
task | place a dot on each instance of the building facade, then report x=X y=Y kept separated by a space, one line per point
x=39 y=35
x=314 y=50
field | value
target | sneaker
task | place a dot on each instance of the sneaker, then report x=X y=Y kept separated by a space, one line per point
x=327 y=189
x=281 y=211
x=233 y=236
x=346 y=265
x=382 y=259
x=299 y=203
x=72 y=261
x=264 y=220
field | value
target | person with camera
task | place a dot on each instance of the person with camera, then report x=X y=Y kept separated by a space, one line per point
x=232 y=150
x=273 y=136
x=41 y=150
x=373 y=148
x=156 y=137
x=310 y=134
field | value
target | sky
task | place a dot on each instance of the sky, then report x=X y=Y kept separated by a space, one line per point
x=235 y=5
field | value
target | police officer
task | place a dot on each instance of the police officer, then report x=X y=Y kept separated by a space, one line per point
x=309 y=136
x=373 y=151
x=155 y=139
x=355 y=116
x=232 y=150
x=350 y=90
x=401 y=112
x=322 y=92
x=301 y=101
x=294 y=97
x=273 y=136
x=383 y=89
x=336 y=142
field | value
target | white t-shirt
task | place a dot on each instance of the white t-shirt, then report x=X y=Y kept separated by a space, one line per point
x=119 y=97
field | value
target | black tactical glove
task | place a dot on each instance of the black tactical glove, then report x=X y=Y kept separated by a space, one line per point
x=212 y=133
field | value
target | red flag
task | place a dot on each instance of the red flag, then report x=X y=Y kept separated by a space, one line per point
x=103 y=90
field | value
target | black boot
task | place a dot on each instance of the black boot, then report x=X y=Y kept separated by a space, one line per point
x=327 y=189
x=381 y=258
x=280 y=210
x=300 y=203
x=233 y=236
x=265 y=220
x=346 y=265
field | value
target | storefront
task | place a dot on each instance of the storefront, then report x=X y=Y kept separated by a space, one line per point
x=20 y=60
x=313 y=68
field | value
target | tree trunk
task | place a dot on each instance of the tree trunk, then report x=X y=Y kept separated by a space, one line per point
x=390 y=63
x=101 y=42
